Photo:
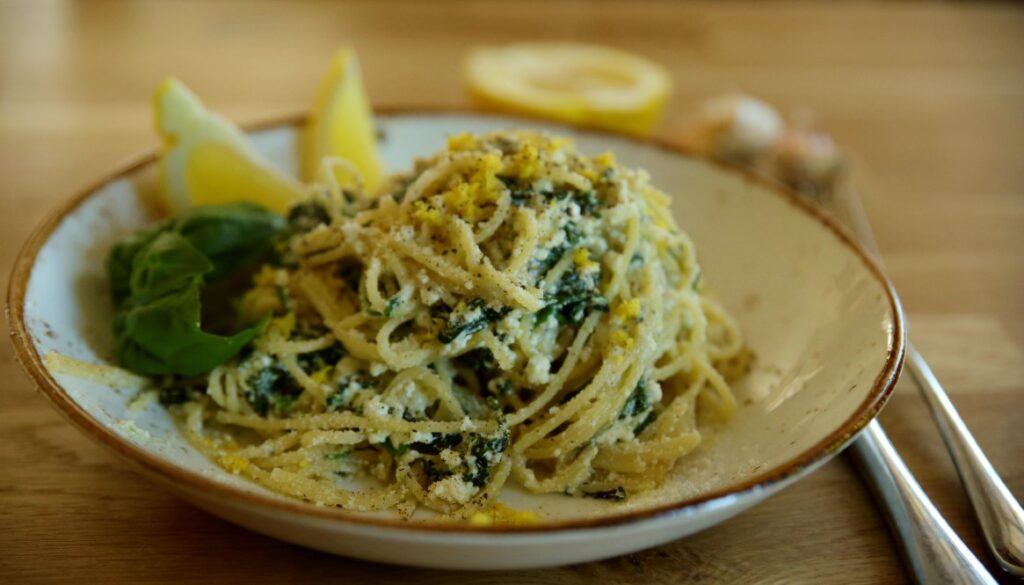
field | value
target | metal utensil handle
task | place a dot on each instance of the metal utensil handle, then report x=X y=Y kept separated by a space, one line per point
x=999 y=515
x=933 y=552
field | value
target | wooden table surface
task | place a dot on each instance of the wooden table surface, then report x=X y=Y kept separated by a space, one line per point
x=928 y=98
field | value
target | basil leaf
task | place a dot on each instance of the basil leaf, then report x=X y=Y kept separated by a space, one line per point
x=119 y=262
x=157 y=278
x=165 y=337
x=231 y=236
x=169 y=263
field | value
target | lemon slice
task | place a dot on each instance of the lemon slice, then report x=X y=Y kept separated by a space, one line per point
x=208 y=160
x=581 y=84
x=341 y=124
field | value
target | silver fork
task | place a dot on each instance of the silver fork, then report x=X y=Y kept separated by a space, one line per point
x=934 y=552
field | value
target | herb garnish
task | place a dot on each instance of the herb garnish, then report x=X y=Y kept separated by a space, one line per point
x=157 y=277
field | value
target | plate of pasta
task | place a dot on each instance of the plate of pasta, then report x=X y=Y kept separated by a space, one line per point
x=528 y=345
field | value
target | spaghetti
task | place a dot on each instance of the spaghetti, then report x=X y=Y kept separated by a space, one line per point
x=508 y=310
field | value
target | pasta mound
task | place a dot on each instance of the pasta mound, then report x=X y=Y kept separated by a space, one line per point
x=510 y=309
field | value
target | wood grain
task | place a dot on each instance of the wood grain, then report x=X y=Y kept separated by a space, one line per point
x=929 y=99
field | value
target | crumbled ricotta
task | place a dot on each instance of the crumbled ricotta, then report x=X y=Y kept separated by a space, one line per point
x=375 y=408
x=407 y=398
x=538 y=369
x=453 y=489
x=451 y=458
x=430 y=295
x=420 y=437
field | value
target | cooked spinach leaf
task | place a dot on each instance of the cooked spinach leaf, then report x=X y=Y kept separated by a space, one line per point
x=347 y=386
x=523 y=193
x=476 y=316
x=637 y=402
x=646 y=422
x=485 y=451
x=439 y=442
x=307 y=215
x=396 y=451
x=272 y=387
x=573 y=236
x=587 y=201
x=312 y=361
x=177 y=389
x=572 y=299
x=393 y=304
x=432 y=470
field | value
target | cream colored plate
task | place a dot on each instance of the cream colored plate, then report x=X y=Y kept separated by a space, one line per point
x=825 y=324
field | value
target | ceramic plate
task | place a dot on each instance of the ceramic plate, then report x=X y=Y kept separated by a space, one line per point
x=822 y=319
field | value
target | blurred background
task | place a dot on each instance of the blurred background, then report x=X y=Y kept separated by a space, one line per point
x=925 y=100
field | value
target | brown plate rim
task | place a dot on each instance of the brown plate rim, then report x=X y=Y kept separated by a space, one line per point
x=32 y=363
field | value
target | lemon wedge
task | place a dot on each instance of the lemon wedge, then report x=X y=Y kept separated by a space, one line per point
x=581 y=84
x=207 y=160
x=341 y=124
